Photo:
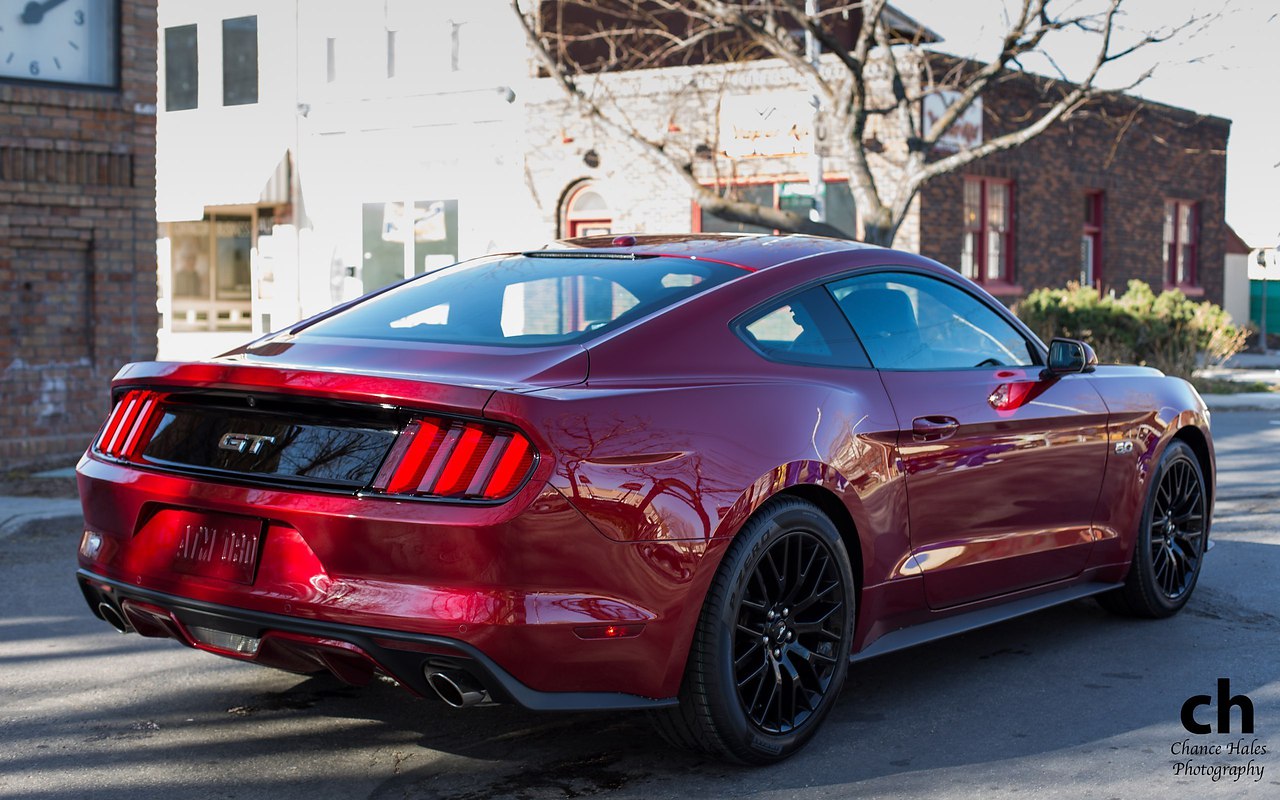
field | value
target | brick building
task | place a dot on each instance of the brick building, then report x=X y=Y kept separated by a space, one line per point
x=77 y=219
x=1129 y=190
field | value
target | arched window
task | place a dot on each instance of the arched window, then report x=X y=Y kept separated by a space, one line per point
x=586 y=213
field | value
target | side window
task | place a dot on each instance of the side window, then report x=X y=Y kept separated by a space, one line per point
x=909 y=321
x=804 y=329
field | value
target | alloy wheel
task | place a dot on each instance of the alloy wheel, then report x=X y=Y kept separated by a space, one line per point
x=790 y=622
x=1177 y=529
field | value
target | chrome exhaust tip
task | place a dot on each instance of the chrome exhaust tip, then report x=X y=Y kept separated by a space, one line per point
x=456 y=688
x=113 y=617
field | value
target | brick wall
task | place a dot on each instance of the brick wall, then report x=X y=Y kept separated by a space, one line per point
x=77 y=247
x=1136 y=154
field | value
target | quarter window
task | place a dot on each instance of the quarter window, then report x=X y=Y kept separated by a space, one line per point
x=913 y=322
x=1181 y=242
x=987 y=251
x=805 y=329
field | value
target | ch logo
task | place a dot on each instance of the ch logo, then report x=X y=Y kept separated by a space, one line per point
x=1225 y=702
x=245 y=442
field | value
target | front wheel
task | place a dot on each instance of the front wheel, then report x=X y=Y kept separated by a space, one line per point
x=1171 y=542
x=771 y=649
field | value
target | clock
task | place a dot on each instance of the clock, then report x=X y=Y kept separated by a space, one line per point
x=60 y=41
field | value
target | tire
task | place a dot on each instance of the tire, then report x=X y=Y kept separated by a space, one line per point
x=1172 y=536
x=786 y=578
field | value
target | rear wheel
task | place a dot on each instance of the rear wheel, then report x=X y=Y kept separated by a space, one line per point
x=771 y=649
x=1171 y=542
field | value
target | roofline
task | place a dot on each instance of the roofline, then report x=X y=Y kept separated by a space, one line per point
x=1196 y=116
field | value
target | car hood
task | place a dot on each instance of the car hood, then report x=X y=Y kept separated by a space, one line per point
x=482 y=367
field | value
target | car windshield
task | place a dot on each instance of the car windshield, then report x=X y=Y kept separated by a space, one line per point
x=529 y=300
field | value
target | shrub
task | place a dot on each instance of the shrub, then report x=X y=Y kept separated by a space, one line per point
x=1166 y=331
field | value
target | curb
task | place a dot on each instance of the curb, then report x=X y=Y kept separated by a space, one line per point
x=1245 y=401
x=16 y=513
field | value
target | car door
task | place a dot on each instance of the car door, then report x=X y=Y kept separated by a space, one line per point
x=1003 y=468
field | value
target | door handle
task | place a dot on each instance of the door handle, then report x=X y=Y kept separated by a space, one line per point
x=931 y=429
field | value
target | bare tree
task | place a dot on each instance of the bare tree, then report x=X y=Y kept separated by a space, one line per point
x=871 y=85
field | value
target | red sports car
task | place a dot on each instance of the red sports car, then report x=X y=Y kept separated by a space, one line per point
x=693 y=474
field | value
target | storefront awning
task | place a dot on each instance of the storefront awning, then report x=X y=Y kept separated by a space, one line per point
x=187 y=184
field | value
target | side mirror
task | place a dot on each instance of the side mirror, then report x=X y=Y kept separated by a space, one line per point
x=1067 y=356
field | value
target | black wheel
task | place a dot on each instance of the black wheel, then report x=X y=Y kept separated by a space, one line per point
x=1171 y=543
x=771 y=649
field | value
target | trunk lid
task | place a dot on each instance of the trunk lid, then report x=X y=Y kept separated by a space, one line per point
x=247 y=417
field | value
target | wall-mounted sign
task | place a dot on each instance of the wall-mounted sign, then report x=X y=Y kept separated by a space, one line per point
x=766 y=124
x=1264 y=264
x=965 y=133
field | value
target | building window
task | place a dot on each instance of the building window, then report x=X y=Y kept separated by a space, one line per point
x=1091 y=241
x=788 y=196
x=403 y=238
x=1181 y=242
x=330 y=60
x=391 y=54
x=586 y=213
x=211 y=276
x=987 y=252
x=181 y=75
x=239 y=61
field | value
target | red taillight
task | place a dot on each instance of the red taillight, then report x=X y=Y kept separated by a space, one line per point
x=456 y=459
x=129 y=426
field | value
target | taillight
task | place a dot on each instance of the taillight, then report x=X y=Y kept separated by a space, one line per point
x=456 y=459
x=129 y=426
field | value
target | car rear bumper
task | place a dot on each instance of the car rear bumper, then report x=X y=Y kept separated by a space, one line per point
x=521 y=590
x=350 y=652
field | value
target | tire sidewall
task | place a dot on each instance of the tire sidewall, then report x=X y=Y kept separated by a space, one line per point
x=740 y=733
x=1152 y=593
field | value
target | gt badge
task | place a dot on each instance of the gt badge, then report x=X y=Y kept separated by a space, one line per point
x=245 y=442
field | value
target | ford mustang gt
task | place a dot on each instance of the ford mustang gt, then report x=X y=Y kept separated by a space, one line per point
x=698 y=475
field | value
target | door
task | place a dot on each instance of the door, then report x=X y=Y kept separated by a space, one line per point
x=1003 y=469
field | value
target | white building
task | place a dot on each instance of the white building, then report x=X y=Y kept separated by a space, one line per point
x=302 y=145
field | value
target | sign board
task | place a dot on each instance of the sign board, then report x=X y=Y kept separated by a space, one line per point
x=766 y=124
x=1264 y=264
x=965 y=133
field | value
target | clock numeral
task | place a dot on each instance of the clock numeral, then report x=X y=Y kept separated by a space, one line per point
x=80 y=17
x=35 y=67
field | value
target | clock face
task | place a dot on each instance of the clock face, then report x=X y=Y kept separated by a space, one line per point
x=59 y=41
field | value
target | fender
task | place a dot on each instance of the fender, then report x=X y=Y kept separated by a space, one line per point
x=1148 y=410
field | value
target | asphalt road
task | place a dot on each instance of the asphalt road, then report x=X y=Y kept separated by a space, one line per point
x=1066 y=703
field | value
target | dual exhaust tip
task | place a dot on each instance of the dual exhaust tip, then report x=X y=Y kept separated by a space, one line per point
x=455 y=687
x=114 y=617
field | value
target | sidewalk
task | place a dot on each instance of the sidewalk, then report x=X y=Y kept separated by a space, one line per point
x=1255 y=361
x=1246 y=368
x=17 y=512
x=1245 y=401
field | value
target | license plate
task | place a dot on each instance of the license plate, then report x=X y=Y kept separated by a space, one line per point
x=220 y=546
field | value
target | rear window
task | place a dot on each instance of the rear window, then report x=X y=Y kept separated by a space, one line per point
x=525 y=300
